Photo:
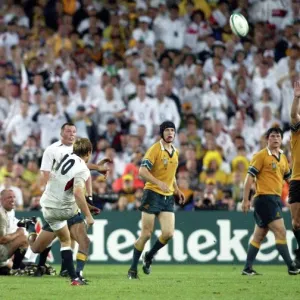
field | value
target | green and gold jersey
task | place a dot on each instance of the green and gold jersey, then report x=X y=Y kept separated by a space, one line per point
x=269 y=171
x=162 y=165
x=295 y=148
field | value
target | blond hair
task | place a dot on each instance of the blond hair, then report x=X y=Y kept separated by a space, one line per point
x=82 y=147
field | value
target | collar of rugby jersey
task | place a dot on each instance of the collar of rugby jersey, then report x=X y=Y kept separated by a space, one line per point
x=270 y=153
x=163 y=148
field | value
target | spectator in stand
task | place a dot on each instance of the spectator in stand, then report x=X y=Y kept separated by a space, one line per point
x=139 y=63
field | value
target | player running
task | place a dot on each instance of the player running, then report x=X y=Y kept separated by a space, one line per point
x=158 y=169
x=268 y=168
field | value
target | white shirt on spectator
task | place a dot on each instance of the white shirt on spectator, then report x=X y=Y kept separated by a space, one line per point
x=192 y=96
x=147 y=36
x=9 y=39
x=151 y=84
x=258 y=107
x=287 y=96
x=184 y=70
x=282 y=67
x=144 y=113
x=171 y=32
x=87 y=103
x=20 y=128
x=277 y=12
x=193 y=32
x=106 y=110
x=4 y=109
x=214 y=104
x=50 y=127
x=224 y=141
x=263 y=125
x=167 y=110
x=260 y=83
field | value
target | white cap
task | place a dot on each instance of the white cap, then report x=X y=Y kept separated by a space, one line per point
x=269 y=53
x=145 y=19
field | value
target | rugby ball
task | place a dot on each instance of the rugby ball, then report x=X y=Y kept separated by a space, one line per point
x=239 y=25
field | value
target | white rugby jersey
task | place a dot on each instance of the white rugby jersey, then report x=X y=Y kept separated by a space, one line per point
x=59 y=189
x=53 y=154
x=3 y=221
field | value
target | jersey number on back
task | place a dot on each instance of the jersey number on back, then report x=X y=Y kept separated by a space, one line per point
x=65 y=165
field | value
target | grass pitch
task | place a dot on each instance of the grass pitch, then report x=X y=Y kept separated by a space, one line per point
x=166 y=282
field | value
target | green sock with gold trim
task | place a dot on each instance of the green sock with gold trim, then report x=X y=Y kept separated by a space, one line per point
x=135 y=258
x=282 y=248
x=251 y=254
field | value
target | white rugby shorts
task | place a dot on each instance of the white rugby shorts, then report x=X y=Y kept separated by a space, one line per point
x=57 y=218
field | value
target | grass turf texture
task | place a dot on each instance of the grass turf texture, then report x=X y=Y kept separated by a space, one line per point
x=165 y=282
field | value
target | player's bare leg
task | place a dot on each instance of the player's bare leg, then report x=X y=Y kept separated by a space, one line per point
x=42 y=244
x=79 y=234
x=278 y=228
x=146 y=232
x=167 y=224
x=258 y=236
x=64 y=237
x=295 y=213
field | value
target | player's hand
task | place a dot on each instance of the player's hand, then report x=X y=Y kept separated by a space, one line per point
x=89 y=221
x=181 y=196
x=94 y=210
x=297 y=88
x=245 y=206
x=102 y=168
x=164 y=187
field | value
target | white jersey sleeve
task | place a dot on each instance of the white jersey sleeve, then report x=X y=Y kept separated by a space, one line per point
x=47 y=160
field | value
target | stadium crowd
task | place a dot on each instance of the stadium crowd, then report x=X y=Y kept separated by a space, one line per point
x=117 y=69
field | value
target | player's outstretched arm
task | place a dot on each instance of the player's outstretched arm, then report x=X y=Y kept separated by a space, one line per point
x=295 y=109
x=247 y=187
x=148 y=177
x=101 y=166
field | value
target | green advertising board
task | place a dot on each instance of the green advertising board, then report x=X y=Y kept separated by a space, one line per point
x=200 y=237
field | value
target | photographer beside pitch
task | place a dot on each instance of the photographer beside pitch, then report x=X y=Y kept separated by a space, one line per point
x=158 y=169
x=268 y=168
x=14 y=243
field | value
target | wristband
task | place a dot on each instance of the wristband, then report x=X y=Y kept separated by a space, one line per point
x=89 y=199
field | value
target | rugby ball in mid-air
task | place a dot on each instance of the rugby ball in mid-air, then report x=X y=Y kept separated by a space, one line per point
x=239 y=25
